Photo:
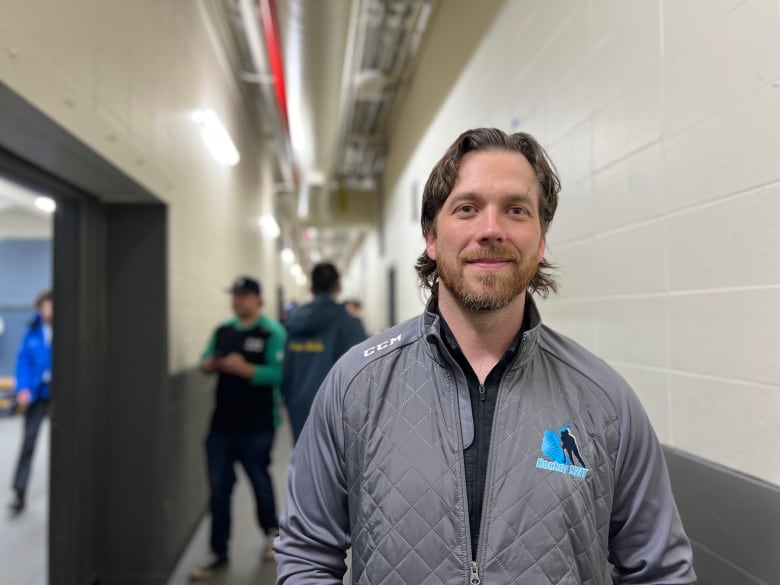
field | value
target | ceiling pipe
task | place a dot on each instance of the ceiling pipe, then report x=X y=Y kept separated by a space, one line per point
x=353 y=60
x=274 y=52
x=270 y=79
x=316 y=35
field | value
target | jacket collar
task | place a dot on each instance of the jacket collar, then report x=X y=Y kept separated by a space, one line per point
x=432 y=329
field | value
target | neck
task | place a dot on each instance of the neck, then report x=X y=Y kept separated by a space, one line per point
x=247 y=320
x=483 y=337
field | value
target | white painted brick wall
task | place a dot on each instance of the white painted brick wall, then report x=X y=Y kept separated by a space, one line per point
x=664 y=120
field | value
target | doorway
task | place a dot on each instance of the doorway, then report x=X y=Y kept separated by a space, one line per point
x=26 y=228
x=110 y=512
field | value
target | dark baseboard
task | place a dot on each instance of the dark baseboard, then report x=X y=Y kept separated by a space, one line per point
x=732 y=519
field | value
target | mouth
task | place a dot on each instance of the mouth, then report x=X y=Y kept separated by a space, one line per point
x=490 y=264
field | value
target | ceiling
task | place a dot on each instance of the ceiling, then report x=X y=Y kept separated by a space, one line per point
x=324 y=78
x=19 y=215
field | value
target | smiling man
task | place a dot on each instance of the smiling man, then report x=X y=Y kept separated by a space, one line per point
x=441 y=457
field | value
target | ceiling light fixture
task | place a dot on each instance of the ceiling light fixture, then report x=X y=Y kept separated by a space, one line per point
x=46 y=204
x=288 y=256
x=216 y=138
x=269 y=226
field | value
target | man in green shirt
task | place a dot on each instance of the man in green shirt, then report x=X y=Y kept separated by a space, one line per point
x=246 y=354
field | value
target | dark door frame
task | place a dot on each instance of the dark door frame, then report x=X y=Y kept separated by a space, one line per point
x=110 y=354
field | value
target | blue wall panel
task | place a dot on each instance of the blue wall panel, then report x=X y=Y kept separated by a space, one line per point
x=25 y=270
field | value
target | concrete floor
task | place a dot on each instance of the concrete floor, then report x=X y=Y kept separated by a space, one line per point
x=24 y=538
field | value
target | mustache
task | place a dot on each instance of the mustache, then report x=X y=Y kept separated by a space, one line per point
x=491 y=253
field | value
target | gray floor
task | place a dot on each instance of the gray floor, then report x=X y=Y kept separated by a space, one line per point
x=23 y=539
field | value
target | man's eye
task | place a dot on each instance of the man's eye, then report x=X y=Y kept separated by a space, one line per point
x=466 y=208
x=518 y=211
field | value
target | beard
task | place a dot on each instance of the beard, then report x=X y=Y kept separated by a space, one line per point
x=486 y=291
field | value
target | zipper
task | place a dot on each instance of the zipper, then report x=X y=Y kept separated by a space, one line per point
x=487 y=494
x=473 y=567
x=475 y=580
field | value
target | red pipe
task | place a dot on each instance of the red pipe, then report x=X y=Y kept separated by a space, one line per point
x=273 y=48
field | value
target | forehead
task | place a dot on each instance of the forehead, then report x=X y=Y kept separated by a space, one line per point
x=495 y=168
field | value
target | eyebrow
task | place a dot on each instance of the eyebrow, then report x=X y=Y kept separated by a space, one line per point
x=473 y=195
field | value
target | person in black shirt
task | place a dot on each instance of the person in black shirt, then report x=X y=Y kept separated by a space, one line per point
x=246 y=354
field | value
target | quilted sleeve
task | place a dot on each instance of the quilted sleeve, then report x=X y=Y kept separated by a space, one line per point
x=647 y=543
x=314 y=529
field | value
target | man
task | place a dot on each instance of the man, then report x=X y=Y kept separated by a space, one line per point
x=33 y=378
x=319 y=332
x=246 y=354
x=425 y=447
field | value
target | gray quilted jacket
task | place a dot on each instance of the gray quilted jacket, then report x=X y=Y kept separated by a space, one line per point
x=379 y=468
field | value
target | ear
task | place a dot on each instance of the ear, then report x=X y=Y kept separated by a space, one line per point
x=542 y=249
x=430 y=244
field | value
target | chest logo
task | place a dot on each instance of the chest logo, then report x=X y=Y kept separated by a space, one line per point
x=254 y=344
x=560 y=448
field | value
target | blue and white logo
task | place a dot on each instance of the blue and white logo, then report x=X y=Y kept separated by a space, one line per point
x=560 y=448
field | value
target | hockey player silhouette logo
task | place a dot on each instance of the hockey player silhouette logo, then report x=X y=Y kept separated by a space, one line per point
x=561 y=449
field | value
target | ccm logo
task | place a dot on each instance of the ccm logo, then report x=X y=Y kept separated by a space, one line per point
x=381 y=346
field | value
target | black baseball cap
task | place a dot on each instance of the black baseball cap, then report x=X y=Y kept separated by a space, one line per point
x=244 y=285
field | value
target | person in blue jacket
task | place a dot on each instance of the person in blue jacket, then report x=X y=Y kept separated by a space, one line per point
x=33 y=377
x=318 y=334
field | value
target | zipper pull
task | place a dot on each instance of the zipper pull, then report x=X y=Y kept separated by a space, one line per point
x=475 y=580
x=482 y=392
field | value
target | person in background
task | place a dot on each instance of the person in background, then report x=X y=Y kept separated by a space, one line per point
x=318 y=333
x=246 y=355
x=33 y=380
x=425 y=448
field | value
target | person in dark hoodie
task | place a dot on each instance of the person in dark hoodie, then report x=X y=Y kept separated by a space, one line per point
x=318 y=333
x=33 y=376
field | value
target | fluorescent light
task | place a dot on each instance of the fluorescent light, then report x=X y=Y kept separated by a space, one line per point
x=269 y=226
x=216 y=138
x=46 y=204
x=288 y=256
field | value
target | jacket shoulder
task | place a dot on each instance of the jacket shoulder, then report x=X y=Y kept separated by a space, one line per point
x=380 y=346
x=575 y=357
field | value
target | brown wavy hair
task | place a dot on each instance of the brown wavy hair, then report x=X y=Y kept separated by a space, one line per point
x=45 y=295
x=445 y=174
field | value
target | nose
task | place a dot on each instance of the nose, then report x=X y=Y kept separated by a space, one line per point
x=491 y=228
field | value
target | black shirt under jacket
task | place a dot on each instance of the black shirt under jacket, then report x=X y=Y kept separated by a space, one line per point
x=483 y=407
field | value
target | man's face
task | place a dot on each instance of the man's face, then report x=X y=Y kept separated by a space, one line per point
x=46 y=310
x=488 y=237
x=245 y=304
